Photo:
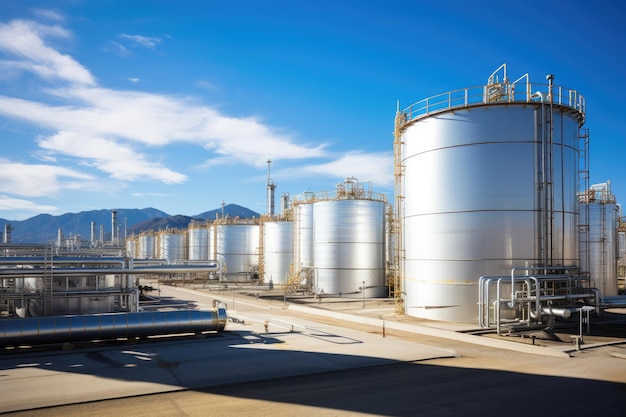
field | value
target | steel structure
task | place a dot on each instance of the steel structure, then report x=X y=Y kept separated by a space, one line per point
x=598 y=237
x=276 y=250
x=339 y=241
x=486 y=181
x=237 y=248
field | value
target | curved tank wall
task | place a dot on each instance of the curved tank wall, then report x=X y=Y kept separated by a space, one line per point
x=147 y=246
x=277 y=251
x=599 y=245
x=237 y=247
x=172 y=246
x=198 y=238
x=303 y=235
x=132 y=247
x=349 y=247
x=475 y=204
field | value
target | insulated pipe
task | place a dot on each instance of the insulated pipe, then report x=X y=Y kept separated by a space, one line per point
x=565 y=313
x=63 y=329
x=146 y=270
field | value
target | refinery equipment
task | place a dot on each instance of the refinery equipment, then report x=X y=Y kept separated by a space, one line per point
x=198 y=240
x=277 y=249
x=171 y=245
x=339 y=241
x=486 y=186
x=49 y=298
x=303 y=231
x=237 y=248
x=599 y=217
x=146 y=246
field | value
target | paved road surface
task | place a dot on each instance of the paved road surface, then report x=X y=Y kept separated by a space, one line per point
x=323 y=367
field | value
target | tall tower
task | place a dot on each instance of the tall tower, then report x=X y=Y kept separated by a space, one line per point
x=270 y=190
x=113 y=226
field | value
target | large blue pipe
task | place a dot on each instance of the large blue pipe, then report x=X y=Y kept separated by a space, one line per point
x=61 y=329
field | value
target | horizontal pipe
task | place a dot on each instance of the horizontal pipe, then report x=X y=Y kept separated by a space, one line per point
x=145 y=270
x=32 y=260
x=33 y=295
x=61 y=329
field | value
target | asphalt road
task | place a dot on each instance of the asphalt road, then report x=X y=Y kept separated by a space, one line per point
x=323 y=368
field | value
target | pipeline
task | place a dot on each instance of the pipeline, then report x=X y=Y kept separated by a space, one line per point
x=62 y=329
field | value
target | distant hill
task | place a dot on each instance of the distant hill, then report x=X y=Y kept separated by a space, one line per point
x=182 y=222
x=160 y=223
x=230 y=210
x=43 y=228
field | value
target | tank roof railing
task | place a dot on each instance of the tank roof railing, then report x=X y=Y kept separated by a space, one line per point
x=495 y=93
x=311 y=197
x=597 y=193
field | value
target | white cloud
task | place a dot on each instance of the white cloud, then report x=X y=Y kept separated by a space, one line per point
x=146 y=41
x=48 y=15
x=133 y=80
x=38 y=180
x=24 y=40
x=377 y=168
x=9 y=203
x=117 y=48
x=118 y=131
x=120 y=161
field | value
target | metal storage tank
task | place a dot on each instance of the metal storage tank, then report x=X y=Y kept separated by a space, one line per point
x=303 y=232
x=132 y=247
x=172 y=245
x=147 y=246
x=198 y=238
x=598 y=237
x=349 y=247
x=237 y=248
x=277 y=251
x=489 y=180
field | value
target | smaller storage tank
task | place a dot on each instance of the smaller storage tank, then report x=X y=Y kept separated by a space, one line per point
x=340 y=237
x=349 y=247
x=198 y=241
x=172 y=245
x=598 y=237
x=303 y=231
x=277 y=251
x=237 y=248
x=147 y=246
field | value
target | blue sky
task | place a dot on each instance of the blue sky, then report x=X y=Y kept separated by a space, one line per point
x=178 y=105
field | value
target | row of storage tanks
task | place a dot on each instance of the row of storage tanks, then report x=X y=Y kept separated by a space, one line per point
x=338 y=239
x=488 y=179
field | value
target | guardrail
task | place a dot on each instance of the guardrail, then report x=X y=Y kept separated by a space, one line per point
x=496 y=93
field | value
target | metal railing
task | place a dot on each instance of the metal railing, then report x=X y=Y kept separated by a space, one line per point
x=497 y=93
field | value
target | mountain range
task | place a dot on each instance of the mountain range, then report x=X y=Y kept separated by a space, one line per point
x=43 y=228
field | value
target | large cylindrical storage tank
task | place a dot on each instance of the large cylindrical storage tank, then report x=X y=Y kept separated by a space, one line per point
x=237 y=248
x=171 y=246
x=147 y=246
x=277 y=251
x=198 y=238
x=132 y=246
x=598 y=238
x=349 y=247
x=489 y=184
x=303 y=235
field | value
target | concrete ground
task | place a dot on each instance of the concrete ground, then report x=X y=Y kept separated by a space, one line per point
x=334 y=357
